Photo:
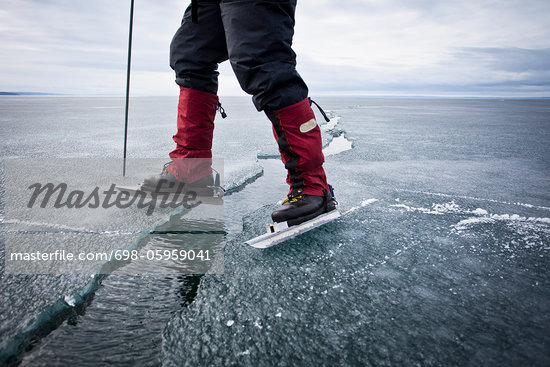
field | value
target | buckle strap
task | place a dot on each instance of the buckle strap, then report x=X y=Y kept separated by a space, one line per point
x=329 y=196
x=311 y=101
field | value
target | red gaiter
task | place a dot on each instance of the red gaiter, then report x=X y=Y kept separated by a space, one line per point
x=196 y=113
x=301 y=147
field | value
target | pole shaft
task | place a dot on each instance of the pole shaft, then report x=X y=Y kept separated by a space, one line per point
x=128 y=85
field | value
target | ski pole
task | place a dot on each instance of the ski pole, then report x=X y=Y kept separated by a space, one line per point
x=128 y=84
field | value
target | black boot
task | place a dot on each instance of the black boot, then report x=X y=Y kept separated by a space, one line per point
x=299 y=208
x=165 y=182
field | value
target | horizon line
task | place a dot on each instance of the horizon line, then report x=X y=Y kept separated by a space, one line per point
x=334 y=94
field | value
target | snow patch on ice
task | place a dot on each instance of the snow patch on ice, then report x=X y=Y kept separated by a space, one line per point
x=70 y=300
x=437 y=209
x=64 y=228
x=480 y=211
x=491 y=218
x=478 y=216
x=465 y=223
x=441 y=208
x=368 y=201
x=531 y=231
x=337 y=145
x=525 y=205
x=363 y=204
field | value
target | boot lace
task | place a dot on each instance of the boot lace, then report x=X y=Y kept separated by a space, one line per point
x=164 y=170
x=294 y=196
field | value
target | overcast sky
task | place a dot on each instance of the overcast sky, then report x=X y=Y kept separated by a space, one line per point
x=371 y=47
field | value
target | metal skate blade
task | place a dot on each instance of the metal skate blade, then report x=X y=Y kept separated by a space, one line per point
x=283 y=234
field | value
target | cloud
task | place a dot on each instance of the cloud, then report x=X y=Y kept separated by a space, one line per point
x=350 y=46
x=426 y=47
x=473 y=71
x=508 y=59
x=80 y=46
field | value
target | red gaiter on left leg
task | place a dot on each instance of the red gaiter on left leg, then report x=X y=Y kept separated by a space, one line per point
x=196 y=113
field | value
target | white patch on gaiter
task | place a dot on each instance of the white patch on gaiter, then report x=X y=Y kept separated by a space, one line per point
x=308 y=126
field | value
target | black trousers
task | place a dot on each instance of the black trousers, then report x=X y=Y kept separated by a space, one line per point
x=256 y=37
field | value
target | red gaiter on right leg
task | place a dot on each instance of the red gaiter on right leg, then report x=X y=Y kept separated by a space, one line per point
x=196 y=113
x=301 y=147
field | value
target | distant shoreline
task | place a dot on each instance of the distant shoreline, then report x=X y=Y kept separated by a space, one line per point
x=336 y=95
x=29 y=94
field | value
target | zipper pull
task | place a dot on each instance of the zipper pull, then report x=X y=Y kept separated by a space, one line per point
x=222 y=111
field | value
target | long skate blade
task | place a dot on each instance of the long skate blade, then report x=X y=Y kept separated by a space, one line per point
x=209 y=195
x=272 y=239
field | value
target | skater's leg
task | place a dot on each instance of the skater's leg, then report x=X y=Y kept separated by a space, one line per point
x=195 y=52
x=197 y=49
x=259 y=38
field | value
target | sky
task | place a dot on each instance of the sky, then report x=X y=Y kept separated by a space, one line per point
x=477 y=48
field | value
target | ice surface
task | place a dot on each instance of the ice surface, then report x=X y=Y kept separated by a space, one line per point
x=392 y=282
x=328 y=126
x=440 y=256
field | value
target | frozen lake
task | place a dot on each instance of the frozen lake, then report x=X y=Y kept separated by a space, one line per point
x=440 y=257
